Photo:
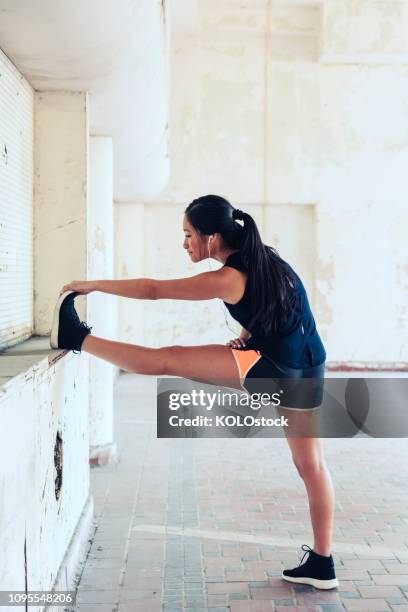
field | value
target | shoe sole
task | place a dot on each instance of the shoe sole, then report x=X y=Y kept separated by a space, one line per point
x=318 y=584
x=55 y=322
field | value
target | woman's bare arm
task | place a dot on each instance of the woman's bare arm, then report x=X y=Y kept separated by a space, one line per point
x=137 y=288
x=226 y=283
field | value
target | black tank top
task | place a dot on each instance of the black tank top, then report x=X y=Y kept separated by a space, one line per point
x=296 y=342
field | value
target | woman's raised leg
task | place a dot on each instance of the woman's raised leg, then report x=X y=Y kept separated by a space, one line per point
x=210 y=363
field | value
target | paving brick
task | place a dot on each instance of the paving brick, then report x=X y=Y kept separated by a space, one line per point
x=217 y=600
x=346 y=585
x=368 y=605
x=99 y=564
x=97 y=597
x=96 y=608
x=317 y=597
x=352 y=574
x=297 y=608
x=379 y=591
x=135 y=595
x=270 y=592
x=251 y=606
x=284 y=602
x=227 y=587
x=396 y=568
x=238 y=576
x=139 y=607
x=397 y=579
x=362 y=564
x=211 y=579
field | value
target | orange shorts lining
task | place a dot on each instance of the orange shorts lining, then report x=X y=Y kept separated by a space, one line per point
x=245 y=360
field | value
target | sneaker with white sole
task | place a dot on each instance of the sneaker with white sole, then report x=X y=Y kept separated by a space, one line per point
x=318 y=571
x=68 y=331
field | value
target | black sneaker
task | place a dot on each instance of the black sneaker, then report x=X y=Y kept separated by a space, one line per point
x=68 y=332
x=317 y=571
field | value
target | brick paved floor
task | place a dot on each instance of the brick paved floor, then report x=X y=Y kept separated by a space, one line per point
x=209 y=524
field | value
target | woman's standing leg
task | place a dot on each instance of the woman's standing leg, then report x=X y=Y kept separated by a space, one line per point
x=308 y=457
x=307 y=453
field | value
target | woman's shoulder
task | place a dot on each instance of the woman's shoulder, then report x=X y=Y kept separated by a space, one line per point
x=234 y=260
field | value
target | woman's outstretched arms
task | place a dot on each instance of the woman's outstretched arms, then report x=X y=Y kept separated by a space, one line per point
x=138 y=288
x=226 y=283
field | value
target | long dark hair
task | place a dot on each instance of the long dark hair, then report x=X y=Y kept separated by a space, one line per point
x=271 y=280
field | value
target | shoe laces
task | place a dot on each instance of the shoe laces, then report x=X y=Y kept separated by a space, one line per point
x=87 y=327
x=308 y=551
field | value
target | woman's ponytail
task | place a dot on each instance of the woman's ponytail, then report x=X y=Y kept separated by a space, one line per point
x=270 y=279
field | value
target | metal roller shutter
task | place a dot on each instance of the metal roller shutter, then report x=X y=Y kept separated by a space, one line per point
x=16 y=205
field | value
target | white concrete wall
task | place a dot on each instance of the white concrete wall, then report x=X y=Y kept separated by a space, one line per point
x=34 y=408
x=138 y=115
x=292 y=114
x=101 y=308
x=60 y=199
x=45 y=392
x=130 y=263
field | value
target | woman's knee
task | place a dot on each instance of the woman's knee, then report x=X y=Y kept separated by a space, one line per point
x=309 y=467
x=307 y=456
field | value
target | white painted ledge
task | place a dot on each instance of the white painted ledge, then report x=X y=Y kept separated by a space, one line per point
x=20 y=363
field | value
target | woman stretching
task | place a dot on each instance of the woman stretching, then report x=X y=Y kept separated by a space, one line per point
x=278 y=340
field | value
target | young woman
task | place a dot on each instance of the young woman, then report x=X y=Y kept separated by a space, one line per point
x=278 y=340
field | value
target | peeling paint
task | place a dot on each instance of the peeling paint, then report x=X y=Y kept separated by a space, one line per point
x=323 y=308
x=364 y=30
x=325 y=272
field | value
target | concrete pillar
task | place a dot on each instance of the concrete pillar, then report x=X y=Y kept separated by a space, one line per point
x=130 y=263
x=60 y=199
x=101 y=307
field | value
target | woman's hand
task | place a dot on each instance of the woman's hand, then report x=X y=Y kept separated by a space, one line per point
x=236 y=343
x=79 y=286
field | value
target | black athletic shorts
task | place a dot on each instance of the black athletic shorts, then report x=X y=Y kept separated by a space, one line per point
x=299 y=388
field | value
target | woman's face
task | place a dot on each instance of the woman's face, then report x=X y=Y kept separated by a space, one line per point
x=194 y=243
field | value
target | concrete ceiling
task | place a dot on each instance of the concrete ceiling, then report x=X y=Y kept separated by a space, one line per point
x=117 y=51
